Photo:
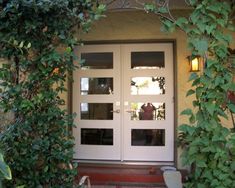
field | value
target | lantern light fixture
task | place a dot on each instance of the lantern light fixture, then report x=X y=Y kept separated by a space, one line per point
x=194 y=62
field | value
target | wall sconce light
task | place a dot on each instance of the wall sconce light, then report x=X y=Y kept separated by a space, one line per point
x=194 y=62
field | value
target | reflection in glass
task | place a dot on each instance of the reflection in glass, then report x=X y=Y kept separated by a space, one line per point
x=102 y=60
x=96 y=111
x=148 y=137
x=148 y=111
x=91 y=86
x=97 y=136
x=147 y=60
x=148 y=85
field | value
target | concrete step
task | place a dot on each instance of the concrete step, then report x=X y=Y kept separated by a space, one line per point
x=122 y=176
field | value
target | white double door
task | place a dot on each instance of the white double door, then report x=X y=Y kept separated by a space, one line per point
x=123 y=97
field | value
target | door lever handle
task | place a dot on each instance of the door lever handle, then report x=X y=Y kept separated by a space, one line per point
x=130 y=111
x=115 y=111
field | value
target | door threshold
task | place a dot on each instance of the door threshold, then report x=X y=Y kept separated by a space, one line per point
x=118 y=163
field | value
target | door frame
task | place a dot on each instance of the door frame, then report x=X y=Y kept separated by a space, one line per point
x=175 y=85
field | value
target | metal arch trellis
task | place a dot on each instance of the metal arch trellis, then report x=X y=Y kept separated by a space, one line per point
x=116 y=5
x=132 y=4
x=120 y=5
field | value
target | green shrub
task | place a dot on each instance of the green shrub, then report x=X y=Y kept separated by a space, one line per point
x=37 y=143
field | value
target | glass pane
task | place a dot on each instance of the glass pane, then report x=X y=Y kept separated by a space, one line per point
x=148 y=137
x=91 y=86
x=147 y=60
x=148 y=111
x=102 y=60
x=96 y=111
x=148 y=85
x=97 y=136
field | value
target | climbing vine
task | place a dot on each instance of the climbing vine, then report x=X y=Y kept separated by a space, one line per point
x=209 y=147
x=36 y=40
x=41 y=147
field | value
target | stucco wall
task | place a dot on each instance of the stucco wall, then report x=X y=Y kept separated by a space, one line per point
x=137 y=25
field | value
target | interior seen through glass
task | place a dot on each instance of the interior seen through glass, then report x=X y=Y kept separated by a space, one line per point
x=97 y=136
x=96 y=111
x=148 y=85
x=98 y=60
x=147 y=111
x=148 y=137
x=147 y=60
x=91 y=86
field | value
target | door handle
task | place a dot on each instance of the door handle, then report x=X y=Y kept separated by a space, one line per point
x=115 y=111
x=130 y=111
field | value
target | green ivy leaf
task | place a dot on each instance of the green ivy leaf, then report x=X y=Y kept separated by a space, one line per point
x=162 y=10
x=199 y=92
x=187 y=129
x=29 y=45
x=187 y=112
x=149 y=7
x=209 y=73
x=201 y=46
x=46 y=168
x=210 y=28
x=193 y=150
x=167 y=26
x=232 y=87
x=192 y=2
x=193 y=76
x=195 y=16
x=233 y=166
x=181 y=22
x=190 y=92
x=4 y=169
x=21 y=44
x=214 y=7
x=201 y=163
x=210 y=107
x=232 y=107
x=101 y=8
x=192 y=119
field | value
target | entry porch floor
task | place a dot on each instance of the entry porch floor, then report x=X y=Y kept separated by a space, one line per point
x=122 y=176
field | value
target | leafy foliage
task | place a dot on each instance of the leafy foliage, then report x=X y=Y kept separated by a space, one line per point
x=209 y=147
x=5 y=172
x=37 y=143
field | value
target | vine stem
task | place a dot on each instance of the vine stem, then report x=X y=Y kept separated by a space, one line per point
x=168 y=10
x=232 y=119
x=166 y=4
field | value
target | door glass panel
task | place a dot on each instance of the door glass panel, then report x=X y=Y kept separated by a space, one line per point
x=91 y=86
x=102 y=60
x=97 y=136
x=147 y=85
x=147 y=111
x=147 y=60
x=96 y=111
x=148 y=137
